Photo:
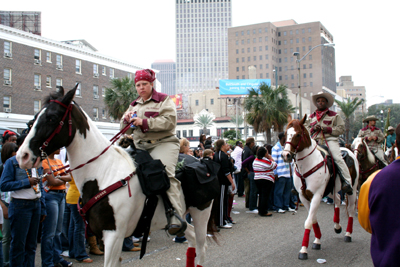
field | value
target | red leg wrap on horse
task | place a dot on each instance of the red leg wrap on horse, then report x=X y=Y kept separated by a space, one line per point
x=199 y=266
x=317 y=231
x=336 y=217
x=306 y=238
x=190 y=256
x=350 y=225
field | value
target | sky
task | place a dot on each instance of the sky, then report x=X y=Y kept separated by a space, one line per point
x=140 y=32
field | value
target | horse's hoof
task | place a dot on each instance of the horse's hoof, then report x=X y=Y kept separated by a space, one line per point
x=303 y=256
x=316 y=246
x=347 y=239
x=338 y=231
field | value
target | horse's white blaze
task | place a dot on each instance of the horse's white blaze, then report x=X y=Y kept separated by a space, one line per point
x=25 y=154
x=289 y=135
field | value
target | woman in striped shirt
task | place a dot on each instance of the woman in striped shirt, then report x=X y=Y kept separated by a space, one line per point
x=264 y=178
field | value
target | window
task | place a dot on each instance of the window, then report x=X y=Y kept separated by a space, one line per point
x=111 y=73
x=78 y=66
x=303 y=40
x=6 y=103
x=254 y=49
x=243 y=59
x=248 y=58
x=7 y=49
x=297 y=40
x=95 y=91
x=311 y=85
x=304 y=75
x=48 y=81
x=7 y=76
x=310 y=66
x=95 y=70
x=310 y=75
x=184 y=133
x=103 y=91
x=237 y=51
x=78 y=89
x=309 y=29
x=104 y=72
x=37 y=81
x=58 y=82
x=36 y=106
x=243 y=68
x=48 y=57
x=178 y=134
x=266 y=47
x=248 y=32
x=237 y=60
x=212 y=101
x=309 y=39
x=197 y=102
x=103 y=113
x=243 y=76
x=59 y=62
x=248 y=49
x=237 y=68
x=190 y=133
x=95 y=113
x=37 y=54
x=310 y=57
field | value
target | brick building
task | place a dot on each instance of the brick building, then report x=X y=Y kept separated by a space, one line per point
x=32 y=66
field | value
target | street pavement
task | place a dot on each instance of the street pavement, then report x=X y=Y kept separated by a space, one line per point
x=259 y=241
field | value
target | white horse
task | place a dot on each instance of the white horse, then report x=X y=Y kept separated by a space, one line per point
x=311 y=179
x=116 y=216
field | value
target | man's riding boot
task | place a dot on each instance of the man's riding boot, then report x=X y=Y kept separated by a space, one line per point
x=174 y=229
x=346 y=186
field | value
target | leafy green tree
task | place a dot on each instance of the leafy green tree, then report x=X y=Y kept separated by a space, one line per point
x=394 y=114
x=233 y=142
x=231 y=134
x=268 y=107
x=238 y=118
x=348 y=107
x=204 y=121
x=119 y=96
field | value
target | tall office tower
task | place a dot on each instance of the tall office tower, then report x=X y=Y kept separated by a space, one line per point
x=269 y=47
x=29 y=21
x=201 y=44
x=166 y=75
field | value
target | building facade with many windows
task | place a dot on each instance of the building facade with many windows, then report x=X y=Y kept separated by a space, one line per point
x=269 y=48
x=166 y=75
x=33 y=66
x=201 y=44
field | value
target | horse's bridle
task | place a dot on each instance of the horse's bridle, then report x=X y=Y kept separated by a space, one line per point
x=296 y=146
x=68 y=111
x=363 y=153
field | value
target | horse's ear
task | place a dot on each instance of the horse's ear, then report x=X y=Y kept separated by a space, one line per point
x=67 y=99
x=60 y=90
x=304 y=119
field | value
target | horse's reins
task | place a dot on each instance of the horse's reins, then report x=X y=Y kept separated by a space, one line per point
x=68 y=111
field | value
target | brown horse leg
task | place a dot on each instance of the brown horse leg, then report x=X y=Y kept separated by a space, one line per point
x=190 y=257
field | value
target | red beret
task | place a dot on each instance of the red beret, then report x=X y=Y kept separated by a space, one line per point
x=145 y=75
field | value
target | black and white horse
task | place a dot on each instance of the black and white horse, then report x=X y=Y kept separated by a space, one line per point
x=116 y=216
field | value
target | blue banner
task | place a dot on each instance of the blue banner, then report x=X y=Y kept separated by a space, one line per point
x=240 y=87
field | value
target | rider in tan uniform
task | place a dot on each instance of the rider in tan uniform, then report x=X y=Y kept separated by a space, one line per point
x=325 y=126
x=374 y=138
x=155 y=132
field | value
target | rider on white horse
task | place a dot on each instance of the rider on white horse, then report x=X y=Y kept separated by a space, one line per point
x=325 y=126
x=374 y=138
x=154 y=117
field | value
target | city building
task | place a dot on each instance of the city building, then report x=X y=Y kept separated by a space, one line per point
x=201 y=44
x=166 y=75
x=33 y=66
x=269 y=47
x=28 y=21
x=346 y=88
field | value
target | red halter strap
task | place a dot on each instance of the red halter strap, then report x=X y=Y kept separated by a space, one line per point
x=68 y=111
x=298 y=144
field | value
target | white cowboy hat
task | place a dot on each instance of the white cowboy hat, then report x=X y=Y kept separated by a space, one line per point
x=370 y=118
x=391 y=128
x=327 y=96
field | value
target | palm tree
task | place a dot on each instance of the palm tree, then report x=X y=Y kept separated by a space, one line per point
x=237 y=118
x=204 y=120
x=348 y=109
x=119 y=96
x=268 y=107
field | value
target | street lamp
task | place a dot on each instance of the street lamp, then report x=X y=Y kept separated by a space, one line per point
x=276 y=76
x=298 y=60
